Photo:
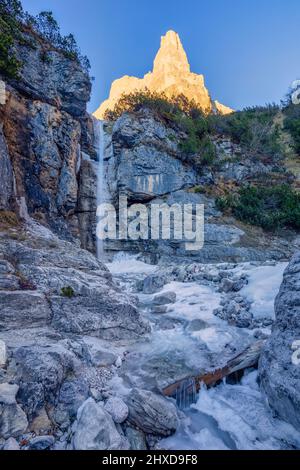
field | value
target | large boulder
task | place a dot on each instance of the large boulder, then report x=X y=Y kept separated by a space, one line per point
x=97 y=315
x=152 y=413
x=13 y=421
x=95 y=429
x=41 y=370
x=279 y=368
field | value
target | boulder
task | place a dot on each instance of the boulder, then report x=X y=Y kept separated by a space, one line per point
x=13 y=421
x=165 y=298
x=41 y=443
x=8 y=393
x=41 y=371
x=152 y=413
x=11 y=444
x=103 y=316
x=118 y=410
x=136 y=439
x=95 y=429
x=153 y=283
x=72 y=394
x=98 y=354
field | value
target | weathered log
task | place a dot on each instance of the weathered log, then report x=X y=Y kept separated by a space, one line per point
x=246 y=359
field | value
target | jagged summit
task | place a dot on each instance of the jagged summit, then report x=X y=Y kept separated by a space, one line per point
x=171 y=74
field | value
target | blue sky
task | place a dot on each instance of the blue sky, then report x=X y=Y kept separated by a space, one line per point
x=248 y=50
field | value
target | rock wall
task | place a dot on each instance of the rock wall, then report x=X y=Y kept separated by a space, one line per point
x=279 y=368
x=144 y=162
x=44 y=128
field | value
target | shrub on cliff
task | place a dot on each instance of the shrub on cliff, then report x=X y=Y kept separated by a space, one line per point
x=13 y=20
x=10 y=15
x=178 y=111
x=292 y=124
x=167 y=108
x=270 y=207
x=255 y=129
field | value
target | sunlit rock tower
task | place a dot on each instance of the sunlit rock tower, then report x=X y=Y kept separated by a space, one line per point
x=171 y=74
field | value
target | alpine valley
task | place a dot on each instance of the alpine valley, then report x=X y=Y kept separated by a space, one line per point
x=141 y=344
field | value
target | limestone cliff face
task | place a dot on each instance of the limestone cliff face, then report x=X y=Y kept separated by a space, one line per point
x=171 y=74
x=44 y=130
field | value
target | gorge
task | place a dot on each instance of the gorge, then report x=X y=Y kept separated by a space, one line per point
x=92 y=332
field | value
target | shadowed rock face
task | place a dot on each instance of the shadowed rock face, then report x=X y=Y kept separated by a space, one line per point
x=44 y=129
x=279 y=375
x=171 y=74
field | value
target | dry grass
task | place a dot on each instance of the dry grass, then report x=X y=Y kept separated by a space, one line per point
x=9 y=219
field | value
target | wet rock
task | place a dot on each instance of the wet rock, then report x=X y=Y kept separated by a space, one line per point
x=152 y=413
x=11 y=444
x=259 y=334
x=118 y=410
x=236 y=312
x=153 y=283
x=3 y=353
x=279 y=367
x=136 y=439
x=197 y=325
x=232 y=285
x=159 y=309
x=95 y=429
x=164 y=298
x=41 y=443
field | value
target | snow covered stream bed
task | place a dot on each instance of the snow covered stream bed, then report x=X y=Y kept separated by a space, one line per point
x=188 y=338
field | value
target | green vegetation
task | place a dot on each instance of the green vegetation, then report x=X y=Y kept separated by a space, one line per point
x=179 y=112
x=198 y=190
x=67 y=292
x=14 y=22
x=259 y=131
x=10 y=14
x=255 y=129
x=292 y=124
x=270 y=207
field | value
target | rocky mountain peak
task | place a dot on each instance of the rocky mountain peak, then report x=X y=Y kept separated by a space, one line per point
x=171 y=57
x=171 y=75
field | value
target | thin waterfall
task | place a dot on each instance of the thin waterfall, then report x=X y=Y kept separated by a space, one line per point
x=99 y=137
x=186 y=393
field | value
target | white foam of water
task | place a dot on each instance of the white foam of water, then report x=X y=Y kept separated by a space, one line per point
x=263 y=286
x=193 y=301
x=127 y=263
x=99 y=133
x=239 y=412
